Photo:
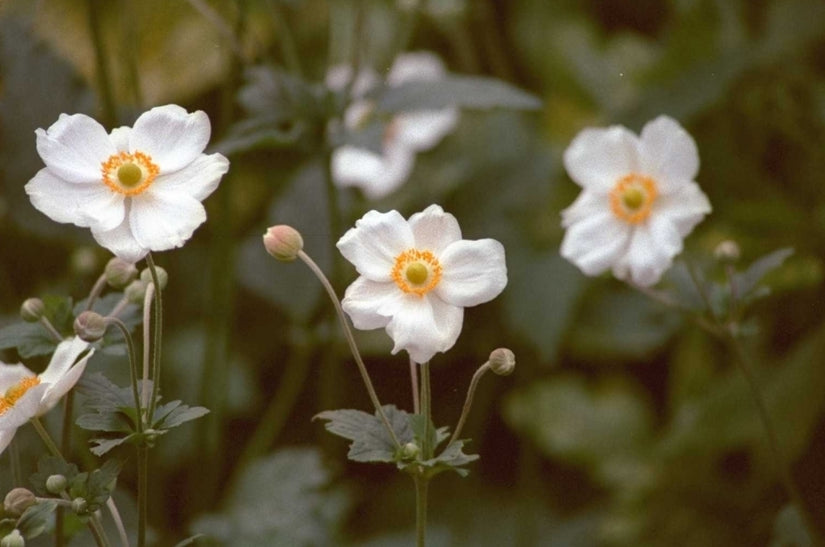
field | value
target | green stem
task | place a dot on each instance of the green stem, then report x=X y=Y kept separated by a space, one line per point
x=133 y=366
x=416 y=397
x=65 y=445
x=142 y=493
x=50 y=329
x=421 y=488
x=101 y=64
x=148 y=298
x=362 y=369
x=157 y=330
x=468 y=402
x=97 y=288
x=287 y=41
x=426 y=410
x=121 y=530
x=14 y=457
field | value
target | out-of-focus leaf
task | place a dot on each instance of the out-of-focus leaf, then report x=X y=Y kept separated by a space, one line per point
x=175 y=413
x=789 y=529
x=620 y=325
x=36 y=518
x=748 y=280
x=455 y=90
x=288 y=498
x=581 y=423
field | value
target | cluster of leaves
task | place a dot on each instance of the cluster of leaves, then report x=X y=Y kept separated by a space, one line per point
x=94 y=487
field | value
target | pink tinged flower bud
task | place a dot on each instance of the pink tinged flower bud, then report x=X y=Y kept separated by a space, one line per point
x=32 y=310
x=120 y=273
x=163 y=277
x=135 y=292
x=502 y=361
x=90 y=326
x=18 y=500
x=13 y=539
x=283 y=242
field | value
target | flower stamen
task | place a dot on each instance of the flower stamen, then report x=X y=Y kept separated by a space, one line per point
x=632 y=198
x=416 y=272
x=16 y=391
x=129 y=173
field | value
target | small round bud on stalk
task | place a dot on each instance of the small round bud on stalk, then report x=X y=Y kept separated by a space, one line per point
x=410 y=451
x=163 y=277
x=135 y=292
x=55 y=484
x=727 y=251
x=120 y=273
x=13 y=539
x=283 y=242
x=90 y=326
x=32 y=310
x=79 y=505
x=502 y=361
x=18 y=500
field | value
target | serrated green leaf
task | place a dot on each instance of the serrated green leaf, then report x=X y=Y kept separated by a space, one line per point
x=110 y=422
x=455 y=90
x=30 y=339
x=101 y=446
x=175 y=414
x=370 y=440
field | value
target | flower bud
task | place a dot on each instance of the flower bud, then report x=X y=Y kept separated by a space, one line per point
x=55 y=484
x=410 y=451
x=90 y=326
x=120 y=273
x=135 y=292
x=79 y=505
x=13 y=539
x=18 y=500
x=283 y=242
x=727 y=251
x=32 y=310
x=502 y=361
x=163 y=277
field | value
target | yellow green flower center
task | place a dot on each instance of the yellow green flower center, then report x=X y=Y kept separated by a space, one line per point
x=416 y=272
x=16 y=391
x=632 y=197
x=129 y=173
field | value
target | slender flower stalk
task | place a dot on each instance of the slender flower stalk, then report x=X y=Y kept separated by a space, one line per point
x=97 y=288
x=351 y=341
x=133 y=366
x=468 y=402
x=121 y=530
x=147 y=346
x=421 y=479
x=157 y=330
x=414 y=384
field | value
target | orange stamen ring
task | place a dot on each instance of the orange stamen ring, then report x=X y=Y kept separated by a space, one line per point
x=114 y=180
x=632 y=198
x=413 y=260
x=16 y=391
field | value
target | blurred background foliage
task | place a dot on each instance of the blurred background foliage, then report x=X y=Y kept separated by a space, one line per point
x=624 y=423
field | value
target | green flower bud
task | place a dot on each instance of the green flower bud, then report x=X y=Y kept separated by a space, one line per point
x=502 y=361
x=18 y=500
x=55 y=484
x=32 y=310
x=283 y=242
x=80 y=506
x=90 y=326
x=163 y=277
x=13 y=539
x=410 y=451
x=135 y=292
x=120 y=273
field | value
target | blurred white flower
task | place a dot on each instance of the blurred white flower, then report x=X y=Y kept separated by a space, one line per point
x=417 y=276
x=404 y=134
x=639 y=200
x=24 y=394
x=138 y=189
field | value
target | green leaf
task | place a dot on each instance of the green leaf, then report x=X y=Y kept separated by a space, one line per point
x=101 y=446
x=370 y=440
x=455 y=90
x=452 y=458
x=748 y=281
x=30 y=339
x=174 y=414
x=36 y=518
x=48 y=466
x=286 y=498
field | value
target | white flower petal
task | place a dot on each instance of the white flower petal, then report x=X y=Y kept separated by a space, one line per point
x=596 y=242
x=198 y=179
x=668 y=153
x=81 y=204
x=369 y=304
x=164 y=220
x=425 y=326
x=172 y=137
x=62 y=386
x=6 y=437
x=375 y=242
x=10 y=375
x=62 y=359
x=120 y=137
x=648 y=256
x=685 y=208
x=121 y=242
x=597 y=158
x=24 y=409
x=74 y=147
x=414 y=67
x=474 y=272
x=434 y=230
x=376 y=175
x=587 y=204
x=423 y=129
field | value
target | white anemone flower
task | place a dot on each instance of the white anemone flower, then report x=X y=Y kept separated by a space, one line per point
x=404 y=135
x=139 y=188
x=417 y=276
x=25 y=395
x=639 y=200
